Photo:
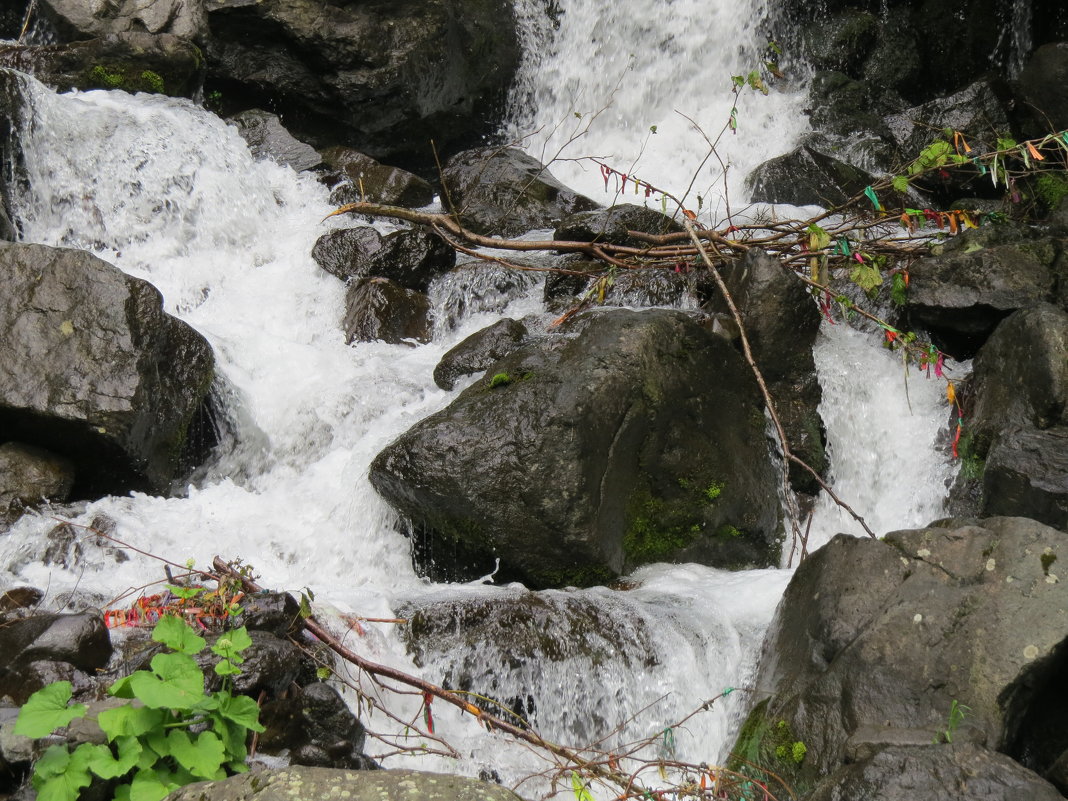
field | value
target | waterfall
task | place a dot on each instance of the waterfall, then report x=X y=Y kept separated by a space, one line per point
x=168 y=192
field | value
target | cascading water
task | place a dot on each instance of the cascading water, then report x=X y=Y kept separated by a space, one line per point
x=169 y=193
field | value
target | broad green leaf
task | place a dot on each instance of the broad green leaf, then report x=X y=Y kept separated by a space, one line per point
x=146 y=786
x=104 y=764
x=232 y=642
x=867 y=277
x=178 y=635
x=232 y=736
x=122 y=688
x=176 y=683
x=46 y=710
x=129 y=720
x=52 y=762
x=185 y=592
x=898 y=290
x=901 y=183
x=579 y=786
x=65 y=784
x=227 y=668
x=202 y=757
x=241 y=709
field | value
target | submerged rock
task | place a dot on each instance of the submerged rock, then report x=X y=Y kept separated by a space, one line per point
x=95 y=371
x=638 y=437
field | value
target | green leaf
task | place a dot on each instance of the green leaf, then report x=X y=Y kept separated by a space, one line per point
x=121 y=688
x=227 y=668
x=106 y=766
x=201 y=757
x=63 y=775
x=129 y=720
x=46 y=710
x=901 y=183
x=178 y=683
x=232 y=643
x=232 y=735
x=579 y=786
x=867 y=277
x=146 y=786
x=241 y=709
x=185 y=592
x=178 y=635
x=898 y=290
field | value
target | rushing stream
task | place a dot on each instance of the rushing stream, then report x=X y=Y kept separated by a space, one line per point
x=169 y=193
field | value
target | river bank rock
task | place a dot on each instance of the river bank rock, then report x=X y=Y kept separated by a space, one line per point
x=131 y=61
x=74 y=19
x=978 y=278
x=433 y=70
x=354 y=176
x=30 y=476
x=95 y=371
x=636 y=437
x=874 y=643
x=505 y=192
x=326 y=784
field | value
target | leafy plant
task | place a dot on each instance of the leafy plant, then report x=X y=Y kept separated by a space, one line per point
x=171 y=733
x=957 y=713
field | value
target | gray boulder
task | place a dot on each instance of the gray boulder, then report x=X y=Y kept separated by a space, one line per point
x=411 y=258
x=29 y=476
x=356 y=176
x=874 y=641
x=637 y=437
x=379 y=309
x=613 y=225
x=327 y=784
x=133 y=62
x=805 y=176
x=505 y=192
x=95 y=371
x=384 y=78
x=76 y=19
x=79 y=639
x=479 y=351
x=268 y=138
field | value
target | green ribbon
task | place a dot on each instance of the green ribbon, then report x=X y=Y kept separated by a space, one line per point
x=870 y=194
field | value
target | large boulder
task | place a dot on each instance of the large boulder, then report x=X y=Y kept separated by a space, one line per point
x=379 y=309
x=638 y=437
x=479 y=351
x=506 y=192
x=326 y=784
x=386 y=78
x=614 y=225
x=134 y=62
x=410 y=257
x=79 y=639
x=975 y=280
x=95 y=371
x=76 y=19
x=356 y=176
x=876 y=642
x=316 y=727
x=805 y=176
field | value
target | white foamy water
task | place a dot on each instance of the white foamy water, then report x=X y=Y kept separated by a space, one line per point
x=167 y=192
x=613 y=71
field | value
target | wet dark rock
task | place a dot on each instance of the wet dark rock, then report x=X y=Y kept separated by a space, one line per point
x=316 y=784
x=507 y=193
x=358 y=172
x=27 y=678
x=841 y=41
x=379 y=309
x=659 y=287
x=30 y=476
x=80 y=639
x=1042 y=87
x=978 y=279
x=611 y=225
x=267 y=138
x=67 y=545
x=95 y=371
x=478 y=286
x=874 y=641
x=635 y=437
x=805 y=176
x=479 y=351
x=781 y=322
x=133 y=62
x=1026 y=473
x=317 y=728
x=386 y=79
x=274 y=612
x=20 y=598
x=346 y=252
x=957 y=772
x=409 y=258
x=271 y=665
x=74 y=19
